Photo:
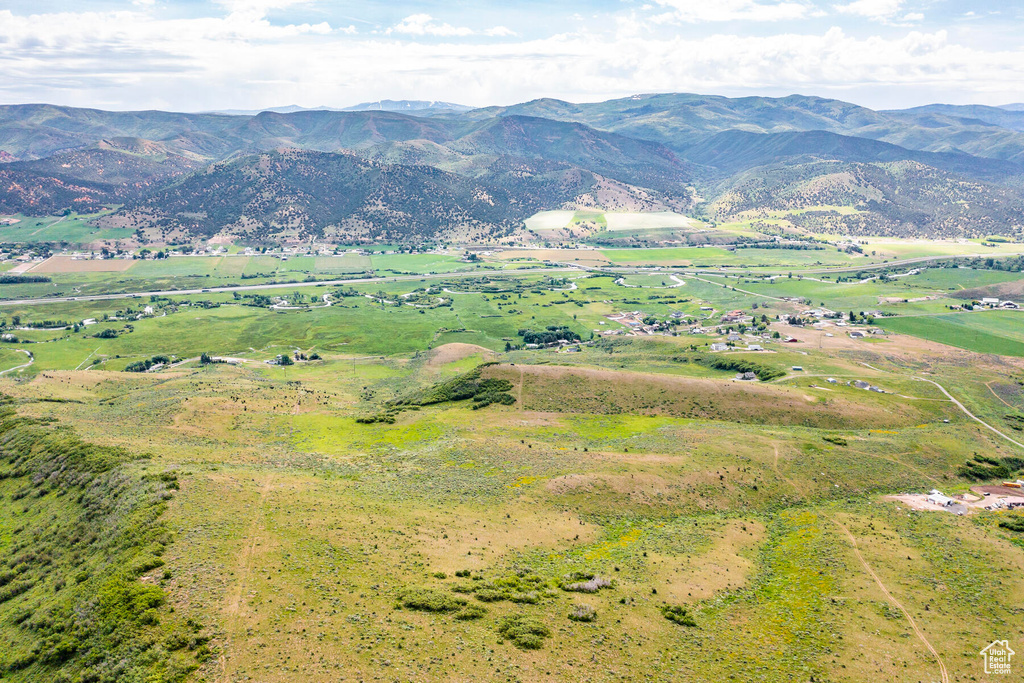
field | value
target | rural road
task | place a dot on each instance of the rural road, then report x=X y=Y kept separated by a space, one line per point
x=31 y=360
x=894 y=601
x=560 y=267
x=969 y=413
x=871 y=572
x=283 y=285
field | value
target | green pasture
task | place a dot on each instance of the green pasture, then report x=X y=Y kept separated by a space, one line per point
x=999 y=332
x=74 y=228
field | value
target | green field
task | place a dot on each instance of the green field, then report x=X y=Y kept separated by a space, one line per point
x=74 y=229
x=999 y=332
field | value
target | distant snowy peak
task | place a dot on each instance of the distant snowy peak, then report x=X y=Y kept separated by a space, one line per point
x=408 y=106
x=289 y=109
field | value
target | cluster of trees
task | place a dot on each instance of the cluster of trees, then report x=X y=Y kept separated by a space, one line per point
x=552 y=335
x=983 y=467
x=14 y=279
x=144 y=365
x=763 y=372
x=257 y=300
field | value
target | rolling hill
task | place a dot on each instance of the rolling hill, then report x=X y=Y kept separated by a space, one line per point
x=936 y=171
x=305 y=194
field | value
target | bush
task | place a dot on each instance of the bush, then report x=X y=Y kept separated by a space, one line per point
x=677 y=615
x=471 y=612
x=837 y=440
x=583 y=613
x=583 y=582
x=427 y=600
x=525 y=632
x=491 y=595
x=1014 y=523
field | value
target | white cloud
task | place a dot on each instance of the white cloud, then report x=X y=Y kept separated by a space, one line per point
x=876 y=10
x=135 y=59
x=689 y=11
x=500 y=32
x=425 y=25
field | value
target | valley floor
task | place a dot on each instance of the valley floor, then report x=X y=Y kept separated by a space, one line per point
x=354 y=517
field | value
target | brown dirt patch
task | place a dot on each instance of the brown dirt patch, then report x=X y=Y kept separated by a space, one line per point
x=1004 y=290
x=66 y=264
x=585 y=256
x=449 y=353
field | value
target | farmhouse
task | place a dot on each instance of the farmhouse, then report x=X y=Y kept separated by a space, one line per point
x=755 y=347
x=719 y=347
x=856 y=334
x=746 y=376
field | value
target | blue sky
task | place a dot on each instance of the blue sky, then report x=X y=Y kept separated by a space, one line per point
x=194 y=55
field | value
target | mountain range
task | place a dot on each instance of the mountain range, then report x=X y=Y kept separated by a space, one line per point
x=413 y=170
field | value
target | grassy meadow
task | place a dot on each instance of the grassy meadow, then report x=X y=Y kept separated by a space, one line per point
x=624 y=511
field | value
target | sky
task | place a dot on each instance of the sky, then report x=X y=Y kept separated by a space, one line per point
x=200 y=55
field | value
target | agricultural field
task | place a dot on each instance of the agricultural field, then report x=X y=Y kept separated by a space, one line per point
x=476 y=472
x=619 y=221
x=74 y=229
x=998 y=332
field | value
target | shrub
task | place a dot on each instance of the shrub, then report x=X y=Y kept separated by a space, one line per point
x=678 y=615
x=491 y=595
x=471 y=612
x=1015 y=523
x=583 y=613
x=427 y=600
x=583 y=582
x=529 y=598
x=525 y=632
x=837 y=440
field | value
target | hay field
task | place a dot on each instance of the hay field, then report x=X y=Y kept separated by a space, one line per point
x=67 y=264
x=621 y=221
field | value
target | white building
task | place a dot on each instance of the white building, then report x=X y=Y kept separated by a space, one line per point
x=938 y=499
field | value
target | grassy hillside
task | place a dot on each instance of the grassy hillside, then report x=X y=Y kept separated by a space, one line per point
x=82 y=539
